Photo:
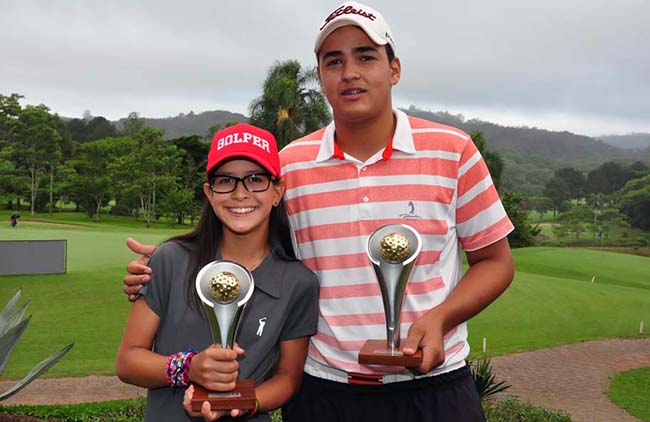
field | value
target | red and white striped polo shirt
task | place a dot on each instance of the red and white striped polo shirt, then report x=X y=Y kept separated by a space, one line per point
x=431 y=177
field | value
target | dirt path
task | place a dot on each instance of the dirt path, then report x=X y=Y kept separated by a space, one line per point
x=573 y=377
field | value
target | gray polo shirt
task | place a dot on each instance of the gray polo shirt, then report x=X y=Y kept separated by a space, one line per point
x=284 y=306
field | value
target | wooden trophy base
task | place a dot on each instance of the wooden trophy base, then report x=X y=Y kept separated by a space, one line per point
x=377 y=352
x=241 y=397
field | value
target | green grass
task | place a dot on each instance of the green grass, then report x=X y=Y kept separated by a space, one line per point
x=552 y=300
x=630 y=389
x=85 y=306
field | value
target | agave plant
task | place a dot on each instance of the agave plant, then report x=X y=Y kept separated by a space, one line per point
x=12 y=327
x=485 y=381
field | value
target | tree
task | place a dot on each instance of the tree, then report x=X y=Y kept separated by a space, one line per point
x=13 y=180
x=541 y=204
x=36 y=145
x=216 y=128
x=288 y=107
x=9 y=111
x=611 y=217
x=148 y=170
x=558 y=191
x=575 y=182
x=576 y=220
x=608 y=178
x=176 y=204
x=524 y=234
x=492 y=158
x=133 y=124
x=194 y=152
x=635 y=202
x=92 y=180
x=100 y=128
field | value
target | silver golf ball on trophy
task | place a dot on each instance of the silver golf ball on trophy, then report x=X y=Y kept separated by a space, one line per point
x=392 y=250
x=224 y=288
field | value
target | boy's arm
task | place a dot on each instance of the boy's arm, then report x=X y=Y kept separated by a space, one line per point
x=490 y=272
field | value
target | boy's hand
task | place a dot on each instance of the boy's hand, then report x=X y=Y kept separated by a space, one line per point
x=427 y=334
x=138 y=271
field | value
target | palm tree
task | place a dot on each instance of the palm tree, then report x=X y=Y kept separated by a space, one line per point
x=288 y=107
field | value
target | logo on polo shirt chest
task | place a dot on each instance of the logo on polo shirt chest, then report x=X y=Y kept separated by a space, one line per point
x=260 y=328
x=411 y=211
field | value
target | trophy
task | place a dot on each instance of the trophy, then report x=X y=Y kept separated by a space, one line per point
x=224 y=288
x=392 y=249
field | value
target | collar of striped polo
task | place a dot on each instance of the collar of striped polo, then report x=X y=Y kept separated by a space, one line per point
x=402 y=140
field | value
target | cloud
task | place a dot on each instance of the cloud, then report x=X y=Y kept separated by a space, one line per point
x=584 y=61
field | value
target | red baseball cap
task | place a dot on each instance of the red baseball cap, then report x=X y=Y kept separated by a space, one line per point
x=245 y=141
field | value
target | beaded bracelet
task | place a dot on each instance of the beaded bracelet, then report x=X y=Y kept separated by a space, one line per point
x=178 y=368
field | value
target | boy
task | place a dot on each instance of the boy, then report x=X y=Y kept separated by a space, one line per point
x=374 y=165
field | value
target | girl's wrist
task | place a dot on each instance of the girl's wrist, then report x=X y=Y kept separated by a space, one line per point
x=178 y=368
x=257 y=407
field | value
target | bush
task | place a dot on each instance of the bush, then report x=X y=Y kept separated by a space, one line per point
x=114 y=411
x=512 y=410
x=12 y=327
x=486 y=382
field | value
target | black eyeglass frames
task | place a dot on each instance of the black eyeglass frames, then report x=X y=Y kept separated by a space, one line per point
x=256 y=182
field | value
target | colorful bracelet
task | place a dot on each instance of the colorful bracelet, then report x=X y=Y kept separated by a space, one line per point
x=178 y=368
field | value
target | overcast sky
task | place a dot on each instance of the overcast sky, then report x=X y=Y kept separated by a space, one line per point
x=581 y=65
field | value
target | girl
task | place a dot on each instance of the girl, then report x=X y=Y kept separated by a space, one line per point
x=167 y=341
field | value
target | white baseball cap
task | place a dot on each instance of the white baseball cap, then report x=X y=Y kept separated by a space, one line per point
x=357 y=14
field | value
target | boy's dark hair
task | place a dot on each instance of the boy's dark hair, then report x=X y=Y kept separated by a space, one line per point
x=390 y=53
x=203 y=242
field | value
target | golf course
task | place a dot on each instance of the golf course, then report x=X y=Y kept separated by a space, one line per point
x=559 y=296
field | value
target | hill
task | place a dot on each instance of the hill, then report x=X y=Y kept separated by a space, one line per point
x=190 y=123
x=631 y=141
x=565 y=146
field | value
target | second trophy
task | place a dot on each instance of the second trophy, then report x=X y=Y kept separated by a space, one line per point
x=224 y=288
x=392 y=249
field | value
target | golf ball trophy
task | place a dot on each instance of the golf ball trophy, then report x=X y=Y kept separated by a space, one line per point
x=224 y=288
x=392 y=250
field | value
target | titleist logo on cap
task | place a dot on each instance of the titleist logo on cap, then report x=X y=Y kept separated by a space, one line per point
x=245 y=137
x=347 y=10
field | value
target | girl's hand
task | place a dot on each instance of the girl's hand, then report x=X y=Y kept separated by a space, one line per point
x=216 y=368
x=208 y=415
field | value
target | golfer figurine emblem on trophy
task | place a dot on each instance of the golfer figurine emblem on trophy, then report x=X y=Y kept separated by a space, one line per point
x=392 y=250
x=224 y=288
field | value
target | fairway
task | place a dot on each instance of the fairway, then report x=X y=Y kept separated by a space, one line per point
x=552 y=300
x=85 y=306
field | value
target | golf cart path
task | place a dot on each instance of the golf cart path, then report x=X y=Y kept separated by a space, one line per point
x=572 y=377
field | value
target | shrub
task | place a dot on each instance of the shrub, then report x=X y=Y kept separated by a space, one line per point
x=486 y=383
x=12 y=327
x=512 y=410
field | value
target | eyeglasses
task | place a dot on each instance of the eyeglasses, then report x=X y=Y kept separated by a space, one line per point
x=256 y=182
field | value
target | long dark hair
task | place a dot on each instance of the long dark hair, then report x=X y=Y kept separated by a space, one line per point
x=203 y=242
